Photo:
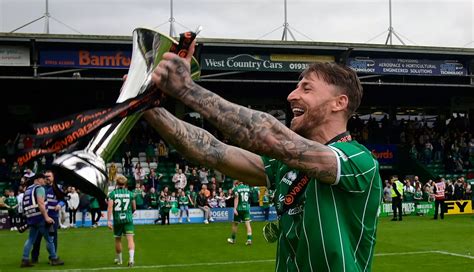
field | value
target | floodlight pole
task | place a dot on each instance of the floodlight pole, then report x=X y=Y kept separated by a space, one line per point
x=46 y=18
x=171 y=20
x=286 y=27
x=391 y=31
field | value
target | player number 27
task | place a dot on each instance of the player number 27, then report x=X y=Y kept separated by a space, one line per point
x=118 y=204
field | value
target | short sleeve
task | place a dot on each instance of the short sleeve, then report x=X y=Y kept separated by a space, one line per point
x=271 y=170
x=39 y=192
x=357 y=168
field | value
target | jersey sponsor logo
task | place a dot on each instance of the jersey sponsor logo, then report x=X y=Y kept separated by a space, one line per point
x=289 y=178
x=297 y=210
x=295 y=191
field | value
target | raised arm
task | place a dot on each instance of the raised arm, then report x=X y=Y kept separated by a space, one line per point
x=201 y=147
x=252 y=130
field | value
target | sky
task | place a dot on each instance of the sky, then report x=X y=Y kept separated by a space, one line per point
x=443 y=23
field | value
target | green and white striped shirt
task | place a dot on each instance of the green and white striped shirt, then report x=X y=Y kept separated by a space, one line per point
x=339 y=221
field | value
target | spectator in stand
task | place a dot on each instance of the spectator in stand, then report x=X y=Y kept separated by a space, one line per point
x=165 y=207
x=427 y=152
x=387 y=192
x=4 y=170
x=95 y=211
x=213 y=185
x=397 y=198
x=174 y=202
x=449 y=192
x=213 y=201
x=150 y=151
x=417 y=198
x=439 y=188
x=468 y=191
x=139 y=194
x=203 y=174
x=194 y=180
x=11 y=203
x=162 y=149
x=183 y=202
x=219 y=178
x=151 y=199
x=221 y=198
x=127 y=165
x=459 y=189
x=179 y=180
x=139 y=174
x=19 y=197
x=73 y=204
x=84 y=203
x=408 y=191
x=112 y=173
x=202 y=204
x=153 y=180
x=192 y=195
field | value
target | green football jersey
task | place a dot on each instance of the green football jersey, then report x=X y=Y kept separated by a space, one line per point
x=122 y=210
x=242 y=191
x=335 y=228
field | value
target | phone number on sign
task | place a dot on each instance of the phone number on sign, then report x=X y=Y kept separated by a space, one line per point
x=298 y=66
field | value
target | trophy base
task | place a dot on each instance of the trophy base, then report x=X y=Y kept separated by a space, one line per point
x=84 y=170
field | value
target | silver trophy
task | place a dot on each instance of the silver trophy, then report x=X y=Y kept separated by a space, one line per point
x=86 y=169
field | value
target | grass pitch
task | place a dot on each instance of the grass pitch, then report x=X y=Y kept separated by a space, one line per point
x=416 y=244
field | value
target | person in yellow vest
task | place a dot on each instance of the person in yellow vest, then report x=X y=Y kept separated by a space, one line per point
x=397 y=198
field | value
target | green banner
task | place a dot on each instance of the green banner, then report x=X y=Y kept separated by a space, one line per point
x=408 y=208
x=261 y=63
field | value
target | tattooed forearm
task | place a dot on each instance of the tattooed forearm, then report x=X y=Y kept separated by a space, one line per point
x=196 y=144
x=261 y=133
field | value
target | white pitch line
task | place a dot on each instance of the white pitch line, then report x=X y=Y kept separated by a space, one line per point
x=454 y=254
x=253 y=261
x=426 y=252
x=164 y=265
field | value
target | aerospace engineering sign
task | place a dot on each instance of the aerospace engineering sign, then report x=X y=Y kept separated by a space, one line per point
x=413 y=67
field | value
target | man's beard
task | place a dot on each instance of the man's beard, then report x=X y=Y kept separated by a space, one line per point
x=309 y=121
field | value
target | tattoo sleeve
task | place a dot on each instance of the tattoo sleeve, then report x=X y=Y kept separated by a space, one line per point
x=261 y=133
x=195 y=144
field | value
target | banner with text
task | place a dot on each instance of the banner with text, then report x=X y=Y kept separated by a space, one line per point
x=14 y=56
x=386 y=154
x=409 y=208
x=85 y=59
x=261 y=63
x=459 y=207
x=413 y=67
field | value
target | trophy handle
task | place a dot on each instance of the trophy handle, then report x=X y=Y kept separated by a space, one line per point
x=86 y=169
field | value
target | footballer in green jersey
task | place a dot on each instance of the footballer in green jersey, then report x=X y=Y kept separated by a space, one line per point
x=121 y=205
x=328 y=191
x=241 y=211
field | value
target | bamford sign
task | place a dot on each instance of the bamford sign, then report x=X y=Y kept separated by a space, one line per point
x=263 y=63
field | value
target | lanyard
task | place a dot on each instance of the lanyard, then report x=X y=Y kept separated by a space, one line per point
x=298 y=187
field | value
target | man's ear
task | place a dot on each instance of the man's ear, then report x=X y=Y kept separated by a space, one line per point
x=341 y=102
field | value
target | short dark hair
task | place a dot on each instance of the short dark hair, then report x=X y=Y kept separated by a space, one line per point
x=340 y=76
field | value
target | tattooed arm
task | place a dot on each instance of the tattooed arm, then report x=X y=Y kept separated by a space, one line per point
x=252 y=130
x=201 y=147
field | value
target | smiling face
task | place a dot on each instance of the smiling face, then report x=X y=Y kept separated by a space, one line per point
x=324 y=99
x=311 y=102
